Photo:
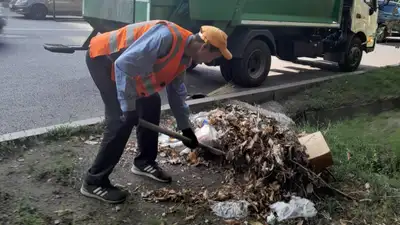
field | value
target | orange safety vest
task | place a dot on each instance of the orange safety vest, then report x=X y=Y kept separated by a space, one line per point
x=165 y=70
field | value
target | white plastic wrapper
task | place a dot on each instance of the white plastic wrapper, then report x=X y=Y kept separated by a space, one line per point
x=207 y=134
x=297 y=207
x=199 y=118
x=204 y=132
x=231 y=209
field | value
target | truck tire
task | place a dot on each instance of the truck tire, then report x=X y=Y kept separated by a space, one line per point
x=38 y=12
x=252 y=69
x=353 y=56
x=226 y=69
x=191 y=67
x=381 y=33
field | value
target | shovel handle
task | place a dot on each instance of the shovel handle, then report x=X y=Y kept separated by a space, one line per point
x=176 y=135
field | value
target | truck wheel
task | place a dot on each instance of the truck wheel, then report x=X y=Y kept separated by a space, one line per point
x=353 y=56
x=38 y=12
x=191 y=67
x=252 y=69
x=381 y=33
x=226 y=69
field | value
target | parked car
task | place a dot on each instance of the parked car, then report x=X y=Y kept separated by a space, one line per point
x=3 y=20
x=388 y=20
x=39 y=9
x=4 y=3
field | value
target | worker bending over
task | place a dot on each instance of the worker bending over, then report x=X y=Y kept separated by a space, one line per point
x=130 y=66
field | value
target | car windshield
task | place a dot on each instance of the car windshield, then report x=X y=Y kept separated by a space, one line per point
x=391 y=8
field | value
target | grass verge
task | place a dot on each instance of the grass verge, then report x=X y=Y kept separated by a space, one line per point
x=366 y=153
x=27 y=214
x=365 y=88
x=59 y=167
x=58 y=134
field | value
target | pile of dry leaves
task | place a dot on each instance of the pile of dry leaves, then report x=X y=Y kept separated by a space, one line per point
x=263 y=163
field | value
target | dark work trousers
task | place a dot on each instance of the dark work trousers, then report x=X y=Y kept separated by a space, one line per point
x=118 y=127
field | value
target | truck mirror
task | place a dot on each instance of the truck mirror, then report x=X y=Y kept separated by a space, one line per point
x=372 y=5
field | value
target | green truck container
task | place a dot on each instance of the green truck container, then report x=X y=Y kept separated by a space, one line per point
x=337 y=30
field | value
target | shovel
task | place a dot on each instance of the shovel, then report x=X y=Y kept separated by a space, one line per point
x=178 y=136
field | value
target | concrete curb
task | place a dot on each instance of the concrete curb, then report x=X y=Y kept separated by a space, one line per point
x=249 y=96
x=43 y=130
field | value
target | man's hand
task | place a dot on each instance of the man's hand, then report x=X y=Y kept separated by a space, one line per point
x=190 y=134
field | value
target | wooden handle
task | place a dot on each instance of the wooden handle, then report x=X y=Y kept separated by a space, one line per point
x=176 y=135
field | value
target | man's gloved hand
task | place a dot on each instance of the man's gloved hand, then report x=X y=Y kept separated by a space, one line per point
x=190 y=134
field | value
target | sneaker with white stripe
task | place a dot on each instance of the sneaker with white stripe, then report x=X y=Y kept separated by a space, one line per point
x=107 y=193
x=152 y=171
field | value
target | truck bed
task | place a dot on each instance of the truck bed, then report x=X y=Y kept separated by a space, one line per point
x=323 y=13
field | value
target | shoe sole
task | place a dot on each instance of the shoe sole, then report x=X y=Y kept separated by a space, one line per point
x=87 y=194
x=140 y=173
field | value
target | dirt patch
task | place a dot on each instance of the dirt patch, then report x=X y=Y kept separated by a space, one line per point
x=42 y=185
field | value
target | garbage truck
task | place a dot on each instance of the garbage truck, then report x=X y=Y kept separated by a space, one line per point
x=339 y=31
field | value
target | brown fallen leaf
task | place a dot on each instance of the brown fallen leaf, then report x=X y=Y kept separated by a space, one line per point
x=232 y=222
x=193 y=158
x=255 y=223
x=191 y=217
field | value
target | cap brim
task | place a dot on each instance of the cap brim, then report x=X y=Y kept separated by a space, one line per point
x=226 y=54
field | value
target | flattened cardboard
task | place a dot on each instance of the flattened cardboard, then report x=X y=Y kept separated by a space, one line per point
x=320 y=155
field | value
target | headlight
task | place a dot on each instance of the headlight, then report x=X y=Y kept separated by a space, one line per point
x=21 y=2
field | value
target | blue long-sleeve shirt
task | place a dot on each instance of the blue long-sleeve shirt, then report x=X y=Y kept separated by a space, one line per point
x=138 y=59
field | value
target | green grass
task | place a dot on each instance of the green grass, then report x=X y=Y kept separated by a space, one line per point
x=374 y=145
x=26 y=214
x=349 y=90
x=59 y=167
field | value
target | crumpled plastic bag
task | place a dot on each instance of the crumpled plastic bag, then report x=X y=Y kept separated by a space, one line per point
x=199 y=118
x=231 y=209
x=207 y=134
x=297 y=207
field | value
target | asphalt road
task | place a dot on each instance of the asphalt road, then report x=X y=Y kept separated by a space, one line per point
x=40 y=88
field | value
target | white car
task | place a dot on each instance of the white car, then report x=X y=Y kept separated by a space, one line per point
x=39 y=9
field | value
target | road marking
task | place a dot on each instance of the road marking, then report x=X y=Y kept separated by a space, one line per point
x=45 y=29
x=13 y=36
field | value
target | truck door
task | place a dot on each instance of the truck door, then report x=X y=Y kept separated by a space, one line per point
x=142 y=10
x=62 y=7
x=365 y=19
x=76 y=7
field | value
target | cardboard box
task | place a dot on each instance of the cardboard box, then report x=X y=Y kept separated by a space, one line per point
x=320 y=155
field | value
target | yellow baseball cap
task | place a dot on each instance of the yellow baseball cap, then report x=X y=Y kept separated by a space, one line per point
x=217 y=38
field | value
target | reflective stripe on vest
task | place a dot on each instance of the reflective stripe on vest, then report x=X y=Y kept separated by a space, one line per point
x=113 y=41
x=156 y=81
